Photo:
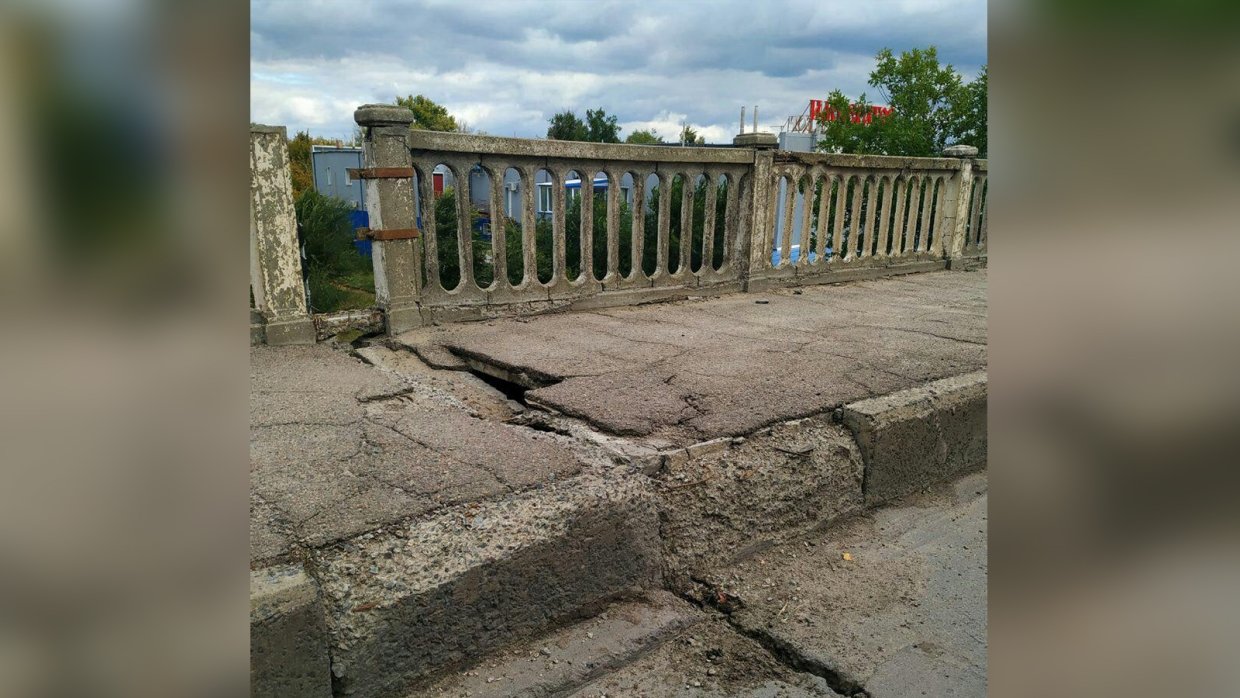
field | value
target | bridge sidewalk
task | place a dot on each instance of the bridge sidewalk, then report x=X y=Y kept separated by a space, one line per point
x=408 y=516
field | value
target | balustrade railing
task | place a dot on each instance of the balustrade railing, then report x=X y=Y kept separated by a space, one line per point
x=671 y=221
x=548 y=262
x=839 y=212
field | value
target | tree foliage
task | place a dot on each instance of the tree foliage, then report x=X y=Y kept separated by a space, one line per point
x=601 y=128
x=690 y=137
x=337 y=275
x=565 y=126
x=643 y=137
x=427 y=114
x=931 y=105
x=598 y=127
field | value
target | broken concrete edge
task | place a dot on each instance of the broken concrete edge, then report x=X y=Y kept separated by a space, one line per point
x=364 y=320
x=575 y=654
x=288 y=635
x=424 y=598
x=967 y=263
x=914 y=438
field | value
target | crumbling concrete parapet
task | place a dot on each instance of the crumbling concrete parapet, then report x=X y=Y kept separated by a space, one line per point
x=956 y=208
x=275 y=256
x=390 y=205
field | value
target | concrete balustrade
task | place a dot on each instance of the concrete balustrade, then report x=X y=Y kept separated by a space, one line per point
x=786 y=218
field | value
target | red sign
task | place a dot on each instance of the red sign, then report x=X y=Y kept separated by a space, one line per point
x=820 y=107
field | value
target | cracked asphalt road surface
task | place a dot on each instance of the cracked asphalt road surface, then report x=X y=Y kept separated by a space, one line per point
x=678 y=373
x=338 y=447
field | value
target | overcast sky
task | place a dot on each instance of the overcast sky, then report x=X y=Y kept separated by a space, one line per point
x=506 y=67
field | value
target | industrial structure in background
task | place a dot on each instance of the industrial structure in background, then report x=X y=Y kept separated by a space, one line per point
x=801 y=131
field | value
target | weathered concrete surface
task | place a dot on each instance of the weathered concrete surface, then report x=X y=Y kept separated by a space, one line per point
x=568 y=658
x=722 y=500
x=288 y=636
x=419 y=598
x=905 y=615
x=275 y=262
x=708 y=660
x=680 y=373
x=338 y=447
x=920 y=436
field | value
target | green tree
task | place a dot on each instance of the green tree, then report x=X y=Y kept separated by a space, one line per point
x=338 y=276
x=565 y=126
x=690 y=137
x=644 y=138
x=601 y=128
x=929 y=102
x=970 y=122
x=427 y=114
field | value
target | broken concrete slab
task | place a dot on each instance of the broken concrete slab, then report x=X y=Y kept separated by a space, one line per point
x=418 y=598
x=917 y=437
x=708 y=660
x=895 y=599
x=692 y=371
x=566 y=659
x=339 y=447
x=288 y=635
x=722 y=500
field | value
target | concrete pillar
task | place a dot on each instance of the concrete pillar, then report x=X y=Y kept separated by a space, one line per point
x=390 y=205
x=275 y=255
x=755 y=249
x=957 y=205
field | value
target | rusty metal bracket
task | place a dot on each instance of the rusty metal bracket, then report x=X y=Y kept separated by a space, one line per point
x=392 y=234
x=380 y=172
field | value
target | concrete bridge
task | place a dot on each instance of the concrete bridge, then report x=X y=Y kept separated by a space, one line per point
x=721 y=477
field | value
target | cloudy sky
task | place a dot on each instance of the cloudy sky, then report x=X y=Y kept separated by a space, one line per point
x=506 y=67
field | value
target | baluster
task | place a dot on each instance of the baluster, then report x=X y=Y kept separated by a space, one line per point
x=430 y=240
x=870 y=216
x=854 y=217
x=882 y=233
x=708 y=222
x=637 y=232
x=899 y=190
x=586 y=227
x=975 y=235
x=665 y=224
x=732 y=219
x=985 y=213
x=558 y=237
x=687 y=187
x=939 y=236
x=785 y=231
x=841 y=203
x=499 y=246
x=529 y=255
x=807 y=202
x=614 y=181
x=464 y=226
x=824 y=216
x=911 y=242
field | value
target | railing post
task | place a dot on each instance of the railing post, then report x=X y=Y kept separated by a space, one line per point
x=957 y=204
x=275 y=256
x=390 y=206
x=754 y=250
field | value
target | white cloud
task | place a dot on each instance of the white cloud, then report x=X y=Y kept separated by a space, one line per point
x=505 y=68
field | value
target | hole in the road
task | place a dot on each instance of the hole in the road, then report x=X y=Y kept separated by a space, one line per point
x=511 y=390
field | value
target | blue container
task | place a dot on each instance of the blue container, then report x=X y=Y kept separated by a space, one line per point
x=358 y=218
